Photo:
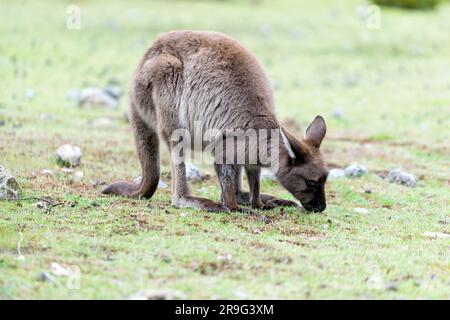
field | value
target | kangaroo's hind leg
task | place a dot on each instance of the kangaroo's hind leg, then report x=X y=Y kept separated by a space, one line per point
x=181 y=195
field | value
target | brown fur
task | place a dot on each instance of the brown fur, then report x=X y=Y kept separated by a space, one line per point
x=186 y=77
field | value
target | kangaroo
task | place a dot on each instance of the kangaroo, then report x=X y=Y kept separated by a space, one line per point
x=190 y=77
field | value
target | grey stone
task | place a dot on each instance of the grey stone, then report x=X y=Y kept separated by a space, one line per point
x=30 y=93
x=336 y=173
x=46 y=277
x=402 y=177
x=9 y=188
x=155 y=294
x=267 y=174
x=94 y=96
x=73 y=94
x=355 y=170
x=47 y=172
x=436 y=235
x=193 y=172
x=68 y=155
x=161 y=184
x=114 y=90
x=102 y=122
x=338 y=113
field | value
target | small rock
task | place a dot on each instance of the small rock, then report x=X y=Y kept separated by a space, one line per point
x=94 y=96
x=256 y=231
x=68 y=155
x=161 y=184
x=264 y=219
x=73 y=94
x=30 y=93
x=266 y=174
x=42 y=205
x=79 y=175
x=400 y=177
x=338 y=113
x=67 y=170
x=153 y=294
x=46 y=117
x=436 y=235
x=227 y=257
x=47 y=173
x=126 y=116
x=165 y=258
x=45 y=276
x=391 y=286
x=102 y=122
x=9 y=188
x=375 y=282
x=336 y=173
x=240 y=294
x=137 y=180
x=361 y=210
x=59 y=270
x=362 y=12
x=193 y=172
x=114 y=90
x=202 y=190
x=355 y=171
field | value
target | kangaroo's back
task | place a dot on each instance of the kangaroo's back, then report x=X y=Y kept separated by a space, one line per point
x=207 y=79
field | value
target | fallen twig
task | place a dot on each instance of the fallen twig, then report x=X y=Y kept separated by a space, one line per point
x=49 y=202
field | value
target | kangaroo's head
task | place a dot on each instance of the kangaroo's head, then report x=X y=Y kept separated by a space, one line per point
x=302 y=171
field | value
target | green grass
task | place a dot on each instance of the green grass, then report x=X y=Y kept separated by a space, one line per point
x=392 y=84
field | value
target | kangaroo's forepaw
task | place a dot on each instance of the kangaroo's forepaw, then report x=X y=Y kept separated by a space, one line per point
x=276 y=202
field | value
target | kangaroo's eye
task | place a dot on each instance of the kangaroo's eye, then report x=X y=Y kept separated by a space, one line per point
x=311 y=184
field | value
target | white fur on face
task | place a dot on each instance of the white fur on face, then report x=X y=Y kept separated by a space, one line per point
x=287 y=144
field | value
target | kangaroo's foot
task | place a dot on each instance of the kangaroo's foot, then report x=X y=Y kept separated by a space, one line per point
x=199 y=204
x=267 y=201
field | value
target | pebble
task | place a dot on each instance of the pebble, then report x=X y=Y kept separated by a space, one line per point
x=47 y=172
x=46 y=276
x=79 y=175
x=9 y=188
x=155 y=294
x=193 y=172
x=338 y=113
x=161 y=184
x=355 y=170
x=336 y=173
x=266 y=174
x=41 y=205
x=361 y=210
x=94 y=96
x=401 y=177
x=68 y=155
x=436 y=235
x=102 y=122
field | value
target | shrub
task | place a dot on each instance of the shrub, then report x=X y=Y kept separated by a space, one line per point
x=409 y=4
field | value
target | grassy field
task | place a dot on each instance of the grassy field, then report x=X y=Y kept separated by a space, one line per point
x=391 y=88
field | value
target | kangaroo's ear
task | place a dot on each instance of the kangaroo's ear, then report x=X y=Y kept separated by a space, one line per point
x=316 y=131
x=293 y=146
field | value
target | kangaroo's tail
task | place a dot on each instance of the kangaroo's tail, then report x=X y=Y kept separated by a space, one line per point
x=147 y=144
